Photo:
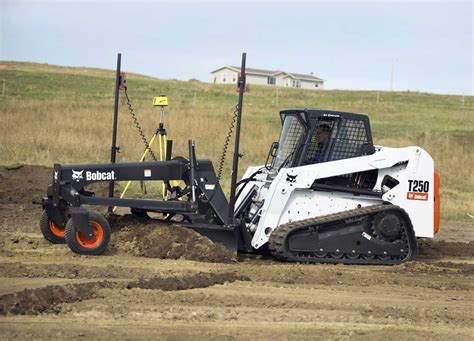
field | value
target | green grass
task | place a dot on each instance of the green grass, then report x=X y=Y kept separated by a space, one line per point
x=64 y=114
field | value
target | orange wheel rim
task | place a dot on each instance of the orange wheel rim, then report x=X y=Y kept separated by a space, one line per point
x=93 y=241
x=55 y=229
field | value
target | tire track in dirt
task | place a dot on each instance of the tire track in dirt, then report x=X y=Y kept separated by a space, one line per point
x=71 y=270
x=46 y=299
x=405 y=274
x=436 y=249
x=268 y=302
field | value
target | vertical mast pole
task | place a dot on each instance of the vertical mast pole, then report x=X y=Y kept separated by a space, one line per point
x=235 y=163
x=113 y=150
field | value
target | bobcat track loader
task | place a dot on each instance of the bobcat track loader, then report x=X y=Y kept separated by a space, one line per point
x=330 y=195
x=325 y=194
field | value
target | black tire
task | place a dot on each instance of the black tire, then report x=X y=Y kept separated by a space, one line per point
x=51 y=232
x=89 y=246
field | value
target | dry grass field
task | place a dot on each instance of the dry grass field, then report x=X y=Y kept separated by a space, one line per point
x=64 y=114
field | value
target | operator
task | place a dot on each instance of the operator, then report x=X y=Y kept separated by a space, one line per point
x=323 y=134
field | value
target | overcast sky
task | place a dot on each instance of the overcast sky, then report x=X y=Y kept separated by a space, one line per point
x=351 y=44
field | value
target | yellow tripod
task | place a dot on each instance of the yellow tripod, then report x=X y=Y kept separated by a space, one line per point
x=160 y=101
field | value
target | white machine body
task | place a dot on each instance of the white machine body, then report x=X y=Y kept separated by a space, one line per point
x=290 y=195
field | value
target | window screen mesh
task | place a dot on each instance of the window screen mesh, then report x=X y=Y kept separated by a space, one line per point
x=346 y=139
x=291 y=134
x=348 y=142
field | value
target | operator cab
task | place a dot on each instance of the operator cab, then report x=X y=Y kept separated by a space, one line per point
x=310 y=136
x=313 y=136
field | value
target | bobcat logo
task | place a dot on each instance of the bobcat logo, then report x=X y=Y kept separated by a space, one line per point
x=77 y=175
x=291 y=178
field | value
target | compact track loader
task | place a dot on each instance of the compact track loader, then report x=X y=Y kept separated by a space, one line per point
x=326 y=194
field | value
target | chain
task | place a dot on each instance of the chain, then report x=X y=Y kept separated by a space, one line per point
x=138 y=126
x=147 y=145
x=227 y=142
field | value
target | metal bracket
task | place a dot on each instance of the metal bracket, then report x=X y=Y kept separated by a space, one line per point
x=56 y=184
x=56 y=213
x=80 y=218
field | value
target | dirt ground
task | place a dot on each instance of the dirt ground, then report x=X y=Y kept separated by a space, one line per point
x=165 y=282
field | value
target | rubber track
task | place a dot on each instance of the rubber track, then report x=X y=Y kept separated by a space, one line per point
x=277 y=245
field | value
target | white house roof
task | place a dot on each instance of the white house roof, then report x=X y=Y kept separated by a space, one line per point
x=264 y=72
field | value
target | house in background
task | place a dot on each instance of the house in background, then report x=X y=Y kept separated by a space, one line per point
x=229 y=74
